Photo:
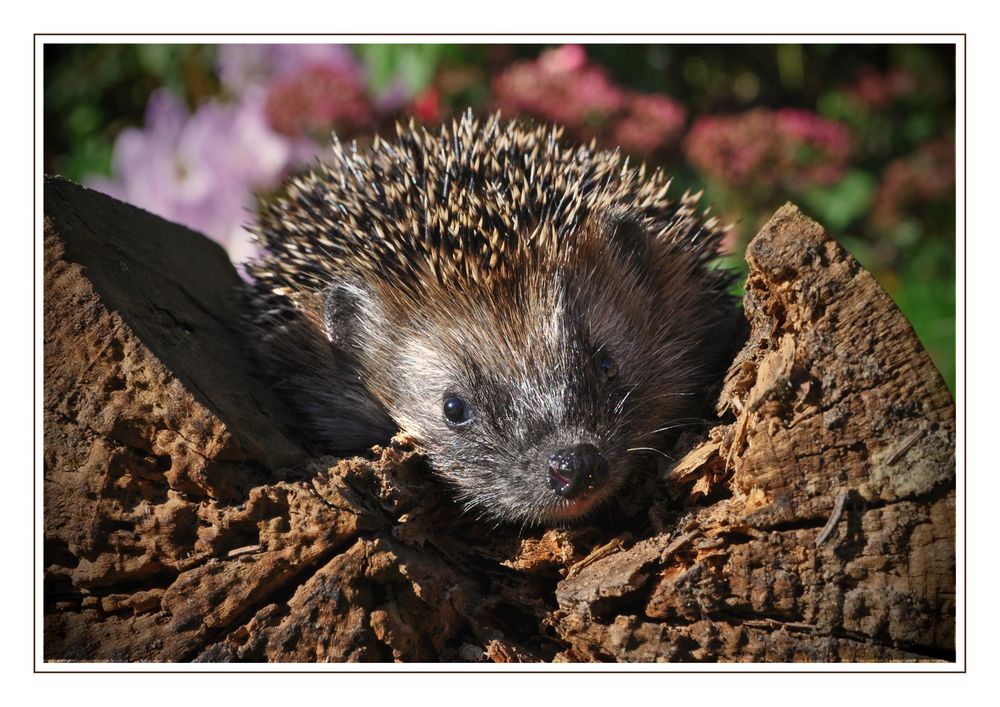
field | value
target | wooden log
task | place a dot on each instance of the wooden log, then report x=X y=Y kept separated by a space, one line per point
x=822 y=519
x=815 y=522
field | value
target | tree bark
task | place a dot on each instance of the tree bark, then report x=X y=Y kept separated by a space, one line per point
x=814 y=522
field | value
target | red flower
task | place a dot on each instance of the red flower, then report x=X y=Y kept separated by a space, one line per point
x=427 y=105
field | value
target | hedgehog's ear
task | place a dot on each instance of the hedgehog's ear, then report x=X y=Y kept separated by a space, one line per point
x=348 y=309
x=629 y=238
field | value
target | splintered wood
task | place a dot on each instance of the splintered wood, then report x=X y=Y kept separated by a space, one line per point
x=816 y=522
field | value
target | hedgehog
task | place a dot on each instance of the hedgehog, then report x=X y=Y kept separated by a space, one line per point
x=537 y=317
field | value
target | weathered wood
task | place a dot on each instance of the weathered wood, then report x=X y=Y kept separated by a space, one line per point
x=815 y=523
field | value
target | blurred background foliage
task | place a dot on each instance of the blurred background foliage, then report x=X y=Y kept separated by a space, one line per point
x=860 y=136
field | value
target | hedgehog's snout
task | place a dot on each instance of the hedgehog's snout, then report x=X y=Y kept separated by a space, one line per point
x=573 y=470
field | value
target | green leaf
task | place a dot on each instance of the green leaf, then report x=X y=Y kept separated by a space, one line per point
x=839 y=205
x=414 y=64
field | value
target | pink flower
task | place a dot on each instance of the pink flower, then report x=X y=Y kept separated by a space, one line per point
x=874 y=89
x=651 y=122
x=923 y=177
x=735 y=150
x=315 y=100
x=819 y=147
x=763 y=148
x=201 y=170
x=560 y=86
x=566 y=59
x=564 y=87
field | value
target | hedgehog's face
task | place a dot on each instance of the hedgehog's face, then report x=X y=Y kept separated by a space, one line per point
x=534 y=314
x=538 y=401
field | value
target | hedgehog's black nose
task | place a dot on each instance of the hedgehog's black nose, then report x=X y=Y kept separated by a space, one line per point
x=574 y=469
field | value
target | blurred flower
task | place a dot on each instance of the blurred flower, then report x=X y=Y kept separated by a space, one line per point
x=925 y=177
x=791 y=148
x=315 y=100
x=311 y=87
x=564 y=87
x=561 y=86
x=392 y=98
x=244 y=66
x=817 y=148
x=426 y=105
x=650 y=122
x=201 y=170
x=875 y=89
x=734 y=149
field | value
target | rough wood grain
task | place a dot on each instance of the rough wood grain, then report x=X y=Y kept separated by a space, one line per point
x=815 y=522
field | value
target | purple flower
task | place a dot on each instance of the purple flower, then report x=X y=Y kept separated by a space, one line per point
x=244 y=66
x=201 y=170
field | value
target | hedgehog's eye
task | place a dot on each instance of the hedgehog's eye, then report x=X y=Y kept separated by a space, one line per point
x=456 y=410
x=607 y=367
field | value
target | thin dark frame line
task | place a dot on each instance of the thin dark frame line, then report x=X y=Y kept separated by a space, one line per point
x=34 y=355
x=499 y=34
x=624 y=670
x=597 y=670
x=965 y=346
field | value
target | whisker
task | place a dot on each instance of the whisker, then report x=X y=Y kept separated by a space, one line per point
x=651 y=449
x=677 y=425
x=618 y=407
x=650 y=397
